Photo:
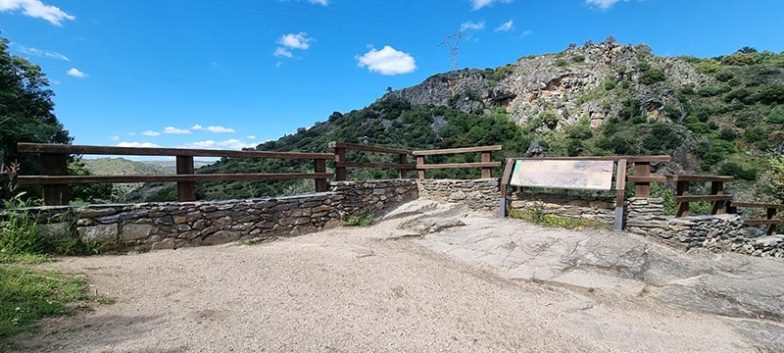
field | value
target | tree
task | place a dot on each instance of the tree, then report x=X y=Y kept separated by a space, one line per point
x=26 y=110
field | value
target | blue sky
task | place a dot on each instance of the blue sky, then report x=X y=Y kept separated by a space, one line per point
x=232 y=73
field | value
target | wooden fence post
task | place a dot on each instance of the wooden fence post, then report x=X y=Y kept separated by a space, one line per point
x=642 y=188
x=620 y=184
x=402 y=173
x=719 y=206
x=682 y=189
x=487 y=173
x=340 y=168
x=55 y=164
x=186 y=190
x=420 y=162
x=771 y=213
x=321 y=167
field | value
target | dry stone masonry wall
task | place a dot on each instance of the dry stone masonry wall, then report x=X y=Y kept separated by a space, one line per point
x=594 y=210
x=716 y=232
x=182 y=224
x=479 y=195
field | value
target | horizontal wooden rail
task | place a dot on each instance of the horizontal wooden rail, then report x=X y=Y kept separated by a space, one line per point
x=460 y=165
x=113 y=179
x=369 y=148
x=486 y=163
x=409 y=166
x=763 y=222
x=702 y=178
x=341 y=164
x=647 y=179
x=649 y=159
x=706 y=198
x=458 y=150
x=757 y=205
x=56 y=182
x=147 y=151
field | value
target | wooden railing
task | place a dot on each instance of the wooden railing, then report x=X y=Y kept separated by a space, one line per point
x=771 y=219
x=717 y=197
x=341 y=164
x=56 y=181
x=486 y=164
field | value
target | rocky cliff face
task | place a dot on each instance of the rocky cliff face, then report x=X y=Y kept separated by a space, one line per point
x=578 y=83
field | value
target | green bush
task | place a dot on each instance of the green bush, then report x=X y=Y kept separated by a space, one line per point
x=776 y=116
x=736 y=170
x=359 y=221
x=652 y=76
x=549 y=119
x=19 y=232
x=561 y=62
x=578 y=58
x=724 y=76
x=728 y=134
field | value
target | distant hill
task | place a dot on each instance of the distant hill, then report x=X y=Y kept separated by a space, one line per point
x=722 y=115
x=121 y=166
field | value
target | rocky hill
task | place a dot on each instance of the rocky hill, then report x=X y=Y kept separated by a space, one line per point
x=714 y=115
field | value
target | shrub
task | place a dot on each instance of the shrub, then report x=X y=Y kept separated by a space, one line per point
x=708 y=66
x=19 y=232
x=359 y=221
x=652 y=76
x=561 y=62
x=550 y=119
x=736 y=170
x=609 y=83
x=776 y=116
x=578 y=58
x=724 y=76
x=727 y=134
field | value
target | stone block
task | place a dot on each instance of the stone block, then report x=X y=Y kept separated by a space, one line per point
x=99 y=233
x=135 y=231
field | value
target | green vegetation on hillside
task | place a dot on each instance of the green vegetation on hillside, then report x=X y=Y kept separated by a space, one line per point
x=731 y=123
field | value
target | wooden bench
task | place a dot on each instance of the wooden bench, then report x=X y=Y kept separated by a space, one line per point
x=770 y=220
x=717 y=197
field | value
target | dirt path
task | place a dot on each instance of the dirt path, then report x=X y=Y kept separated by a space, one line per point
x=339 y=291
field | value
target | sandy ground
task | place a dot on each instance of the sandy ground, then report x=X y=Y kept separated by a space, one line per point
x=342 y=291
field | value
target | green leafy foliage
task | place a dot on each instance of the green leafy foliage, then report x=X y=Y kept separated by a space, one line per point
x=26 y=111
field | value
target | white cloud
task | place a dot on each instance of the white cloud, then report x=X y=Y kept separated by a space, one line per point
x=39 y=52
x=478 y=4
x=472 y=26
x=319 y=2
x=283 y=52
x=74 y=72
x=115 y=138
x=295 y=40
x=151 y=133
x=214 y=129
x=37 y=9
x=171 y=130
x=526 y=33
x=506 y=26
x=602 y=4
x=136 y=144
x=387 y=61
x=232 y=144
x=251 y=137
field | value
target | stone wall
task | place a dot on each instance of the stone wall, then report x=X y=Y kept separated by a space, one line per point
x=481 y=195
x=181 y=224
x=593 y=210
x=374 y=197
x=715 y=232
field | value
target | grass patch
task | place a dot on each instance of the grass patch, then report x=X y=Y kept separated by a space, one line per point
x=359 y=221
x=549 y=220
x=28 y=295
